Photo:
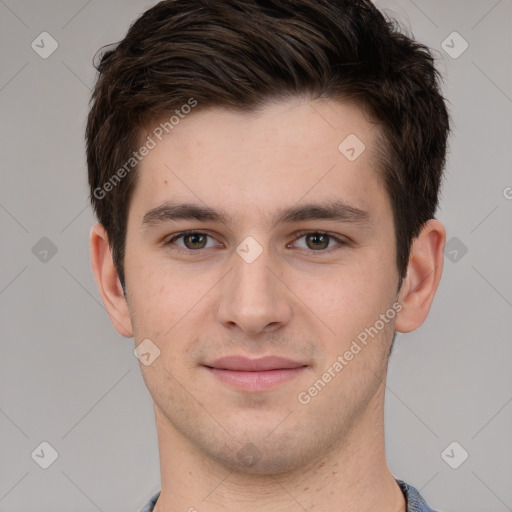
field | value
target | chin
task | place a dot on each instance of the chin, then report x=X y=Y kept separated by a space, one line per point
x=273 y=457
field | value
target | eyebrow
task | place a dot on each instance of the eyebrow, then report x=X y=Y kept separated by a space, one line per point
x=337 y=211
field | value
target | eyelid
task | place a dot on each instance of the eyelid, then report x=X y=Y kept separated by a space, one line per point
x=341 y=240
x=170 y=240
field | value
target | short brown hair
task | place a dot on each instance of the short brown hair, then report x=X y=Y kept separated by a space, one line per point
x=240 y=54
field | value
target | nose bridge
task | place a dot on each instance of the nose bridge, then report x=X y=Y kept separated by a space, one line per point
x=252 y=278
x=252 y=298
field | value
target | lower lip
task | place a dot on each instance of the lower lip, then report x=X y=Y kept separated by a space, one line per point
x=256 y=381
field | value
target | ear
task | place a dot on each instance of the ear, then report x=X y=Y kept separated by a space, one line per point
x=422 y=278
x=108 y=282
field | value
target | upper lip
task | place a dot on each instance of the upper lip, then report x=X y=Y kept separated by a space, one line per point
x=239 y=363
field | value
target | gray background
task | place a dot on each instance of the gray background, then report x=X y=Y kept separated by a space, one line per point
x=67 y=377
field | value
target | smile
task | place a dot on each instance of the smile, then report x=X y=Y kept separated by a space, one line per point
x=255 y=375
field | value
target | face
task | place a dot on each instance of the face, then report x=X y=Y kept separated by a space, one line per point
x=260 y=262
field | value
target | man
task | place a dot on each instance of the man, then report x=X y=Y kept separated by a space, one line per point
x=265 y=175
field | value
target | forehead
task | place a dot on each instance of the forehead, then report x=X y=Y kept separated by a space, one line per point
x=256 y=163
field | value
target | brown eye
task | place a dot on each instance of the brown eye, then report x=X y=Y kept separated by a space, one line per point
x=195 y=241
x=191 y=241
x=317 y=241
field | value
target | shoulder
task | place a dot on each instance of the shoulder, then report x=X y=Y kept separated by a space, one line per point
x=415 y=502
x=150 y=505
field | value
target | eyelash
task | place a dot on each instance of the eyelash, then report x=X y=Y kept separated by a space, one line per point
x=340 y=242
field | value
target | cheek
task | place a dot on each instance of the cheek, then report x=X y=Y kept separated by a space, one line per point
x=157 y=296
x=165 y=302
x=162 y=309
x=349 y=298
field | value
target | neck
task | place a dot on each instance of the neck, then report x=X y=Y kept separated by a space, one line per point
x=348 y=477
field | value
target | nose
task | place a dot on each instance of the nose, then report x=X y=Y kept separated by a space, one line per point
x=253 y=298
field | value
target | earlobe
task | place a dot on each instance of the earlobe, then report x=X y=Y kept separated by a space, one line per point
x=108 y=282
x=423 y=275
